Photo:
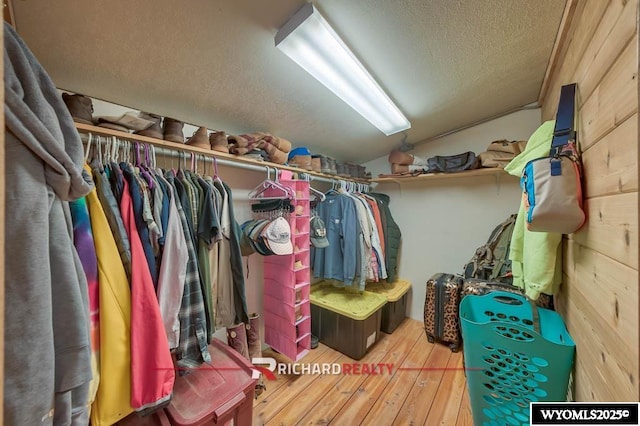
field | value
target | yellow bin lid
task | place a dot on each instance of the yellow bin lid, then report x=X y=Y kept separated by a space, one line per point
x=392 y=291
x=357 y=306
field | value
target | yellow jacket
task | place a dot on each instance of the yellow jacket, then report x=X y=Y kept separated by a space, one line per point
x=114 y=391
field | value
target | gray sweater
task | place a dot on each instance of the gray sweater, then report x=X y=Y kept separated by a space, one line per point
x=47 y=347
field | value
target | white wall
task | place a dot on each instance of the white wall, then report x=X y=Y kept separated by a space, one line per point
x=444 y=221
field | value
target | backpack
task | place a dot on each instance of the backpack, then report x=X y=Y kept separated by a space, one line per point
x=491 y=261
x=452 y=163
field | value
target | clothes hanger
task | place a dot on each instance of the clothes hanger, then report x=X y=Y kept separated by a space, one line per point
x=100 y=146
x=317 y=193
x=193 y=167
x=88 y=147
x=216 y=178
x=140 y=165
x=270 y=184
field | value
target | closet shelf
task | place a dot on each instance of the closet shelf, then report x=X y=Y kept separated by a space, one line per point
x=440 y=176
x=239 y=159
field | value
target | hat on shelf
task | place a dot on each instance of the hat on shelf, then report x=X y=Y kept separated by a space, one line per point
x=318 y=233
x=278 y=234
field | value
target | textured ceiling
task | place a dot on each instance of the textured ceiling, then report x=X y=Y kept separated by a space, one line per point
x=446 y=63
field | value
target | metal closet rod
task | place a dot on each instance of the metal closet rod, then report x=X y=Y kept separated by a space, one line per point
x=220 y=161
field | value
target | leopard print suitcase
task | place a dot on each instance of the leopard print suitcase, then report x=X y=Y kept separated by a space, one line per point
x=441 y=322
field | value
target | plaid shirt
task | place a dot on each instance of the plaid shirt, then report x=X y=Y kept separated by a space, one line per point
x=192 y=350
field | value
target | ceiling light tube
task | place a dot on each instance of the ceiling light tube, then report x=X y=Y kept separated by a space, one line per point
x=309 y=41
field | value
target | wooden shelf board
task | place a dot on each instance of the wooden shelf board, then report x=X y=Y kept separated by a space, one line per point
x=86 y=128
x=441 y=176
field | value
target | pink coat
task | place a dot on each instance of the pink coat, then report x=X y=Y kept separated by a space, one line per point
x=152 y=370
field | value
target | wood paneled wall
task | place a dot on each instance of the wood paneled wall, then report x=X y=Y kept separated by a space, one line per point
x=598 y=49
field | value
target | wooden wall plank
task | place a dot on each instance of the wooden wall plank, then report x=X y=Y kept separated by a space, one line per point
x=614 y=32
x=587 y=17
x=611 y=165
x=612 y=227
x=611 y=291
x=572 y=8
x=601 y=374
x=613 y=100
x=599 y=296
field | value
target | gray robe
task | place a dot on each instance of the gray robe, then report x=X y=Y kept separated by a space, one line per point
x=47 y=346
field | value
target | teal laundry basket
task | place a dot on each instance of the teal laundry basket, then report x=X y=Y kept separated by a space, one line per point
x=515 y=353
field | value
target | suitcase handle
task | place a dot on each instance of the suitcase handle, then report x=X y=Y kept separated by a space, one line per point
x=224 y=410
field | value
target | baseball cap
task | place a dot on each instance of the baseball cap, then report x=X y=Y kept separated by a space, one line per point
x=278 y=236
x=318 y=233
x=299 y=151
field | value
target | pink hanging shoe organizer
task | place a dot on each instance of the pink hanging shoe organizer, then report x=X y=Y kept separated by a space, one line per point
x=287 y=312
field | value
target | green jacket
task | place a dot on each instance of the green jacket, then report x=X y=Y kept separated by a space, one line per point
x=392 y=236
x=535 y=256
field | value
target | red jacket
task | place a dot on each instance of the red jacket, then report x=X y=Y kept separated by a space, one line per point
x=152 y=371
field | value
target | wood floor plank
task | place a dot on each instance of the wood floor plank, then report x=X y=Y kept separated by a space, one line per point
x=424 y=387
x=416 y=407
x=282 y=379
x=331 y=403
x=360 y=403
x=264 y=410
x=386 y=408
x=449 y=395
x=324 y=384
x=465 y=417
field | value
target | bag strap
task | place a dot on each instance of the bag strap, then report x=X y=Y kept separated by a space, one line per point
x=564 y=131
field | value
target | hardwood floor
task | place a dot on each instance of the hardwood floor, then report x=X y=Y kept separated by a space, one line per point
x=426 y=386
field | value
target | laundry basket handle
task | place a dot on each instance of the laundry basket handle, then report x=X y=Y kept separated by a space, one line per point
x=511 y=299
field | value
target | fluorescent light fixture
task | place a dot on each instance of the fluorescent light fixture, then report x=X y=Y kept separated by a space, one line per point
x=308 y=39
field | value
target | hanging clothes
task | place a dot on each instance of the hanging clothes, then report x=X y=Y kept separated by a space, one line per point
x=240 y=299
x=192 y=348
x=392 y=235
x=173 y=270
x=112 y=212
x=339 y=260
x=83 y=241
x=113 y=399
x=362 y=245
x=208 y=229
x=536 y=257
x=45 y=288
x=152 y=373
x=133 y=188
